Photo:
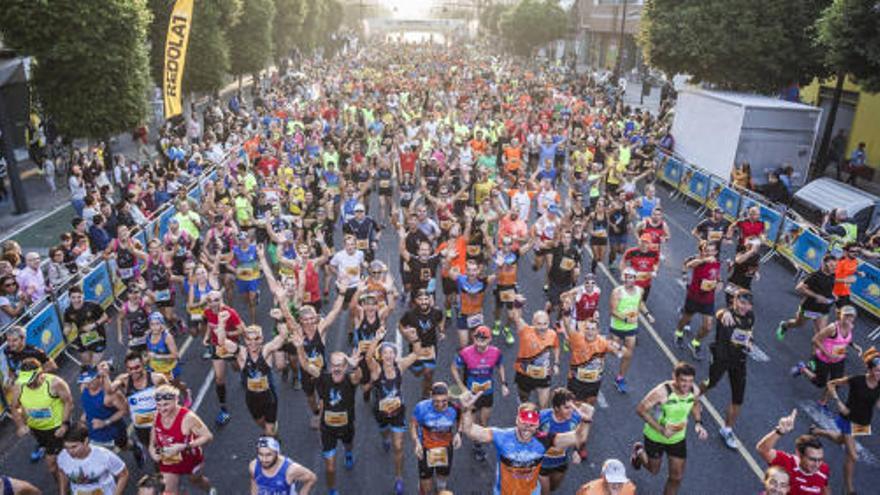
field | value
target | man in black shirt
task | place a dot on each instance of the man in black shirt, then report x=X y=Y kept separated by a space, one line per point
x=411 y=238
x=86 y=319
x=425 y=324
x=733 y=342
x=744 y=270
x=565 y=266
x=712 y=229
x=818 y=299
x=421 y=270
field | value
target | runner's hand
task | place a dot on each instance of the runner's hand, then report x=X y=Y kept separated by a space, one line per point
x=727 y=319
x=418 y=450
x=786 y=423
x=468 y=399
x=575 y=457
x=586 y=411
x=456 y=441
x=702 y=434
x=505 y=390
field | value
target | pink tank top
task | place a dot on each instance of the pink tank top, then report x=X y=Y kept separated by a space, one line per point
x=835 y=346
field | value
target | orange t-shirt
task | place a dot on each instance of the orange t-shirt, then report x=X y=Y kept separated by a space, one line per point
x=460 y=260
x=597 y=487
x=533 y=347
x=583 y=350
x=845 y=268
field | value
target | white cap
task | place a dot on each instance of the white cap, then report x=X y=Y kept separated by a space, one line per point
x=614 y=472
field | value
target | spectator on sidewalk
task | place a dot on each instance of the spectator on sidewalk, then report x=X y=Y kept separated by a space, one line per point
x=837 y=151
x=3 y=173
x=12 y=304
x=57 y=269
x=12 y=253
x=31 y=281
x=90 y=210
x=857 y=163
x=77 y=187
x=98 y=234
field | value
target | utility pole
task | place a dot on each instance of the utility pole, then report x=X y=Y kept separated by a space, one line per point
x=620 y=42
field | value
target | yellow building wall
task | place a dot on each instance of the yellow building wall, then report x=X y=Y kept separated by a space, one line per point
x=866 y=122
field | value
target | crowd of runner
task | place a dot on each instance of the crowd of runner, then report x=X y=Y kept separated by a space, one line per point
x=480 y=168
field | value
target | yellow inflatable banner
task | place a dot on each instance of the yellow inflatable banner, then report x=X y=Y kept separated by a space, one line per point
x=175 y=56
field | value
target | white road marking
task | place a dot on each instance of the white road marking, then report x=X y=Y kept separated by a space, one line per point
x=185 y=346
x=601 y=400
x=707 y=405
x=204 y=390
x=825 y=422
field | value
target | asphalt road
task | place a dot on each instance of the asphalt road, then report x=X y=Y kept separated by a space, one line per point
x=712 y=467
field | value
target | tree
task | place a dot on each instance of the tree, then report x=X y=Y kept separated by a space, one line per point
x=91 y=69
x=531 y=24
x=251 y=39
x=746 y=45
x=207 y=57
x=849 y=31
x=289 y=18
x=490 y=18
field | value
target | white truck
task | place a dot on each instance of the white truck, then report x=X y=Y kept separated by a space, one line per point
x=715 y=130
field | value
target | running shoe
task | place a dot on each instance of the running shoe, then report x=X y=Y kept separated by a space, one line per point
x=222 y=418
x=496 y=328
x=546 y=288
x=729 y=438
x=398 y=486
x=797 y=369
x=448 y=314
x=621 y=384
x=206 y=354
x=508 y=336
x=349 y=460
x=37 y=454
x=696 y=350
x=333 y=491
x=780 y=331
x=565 y=347
x=635 y=459
x=212 y=491
x=679 y=339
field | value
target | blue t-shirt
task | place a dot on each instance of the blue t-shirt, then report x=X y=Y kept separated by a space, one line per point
x=519 y=462
x=557 y=457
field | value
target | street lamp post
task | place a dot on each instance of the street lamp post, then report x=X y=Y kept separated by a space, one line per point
x=620 y=41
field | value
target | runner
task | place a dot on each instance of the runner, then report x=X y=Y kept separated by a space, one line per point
x=471 y=286
x=506 y=262
x=104 y=412
x=588 y=353
x=560 y=418
x=257 y=379
x=583 y=302
x=533 y=366
x=744 y=269
x=564 y=272
x=845 y=274
x=829 y=353
x=644 y=261
x=85 y=320
x=41 y=403
x=160 y=280
x=700 y=297
x=854 y=416
x=599 y=220
x=424 y=324
x=665 y=410
x=749 y=227
x=807 y=470
x=139 y=387
x=474 y=369
x=368 y=321
x=624 y=306
x=435 y=433
x=365 y=230
x=818 y=297
x=272 y=473
x=133 y=318
x=612 y=482
x=655 y=228
x=88 y=468
x=176 y=442
x=247 y=272
x=221 y=319
x=733 y=343
x=521 y=449
x=713 y=229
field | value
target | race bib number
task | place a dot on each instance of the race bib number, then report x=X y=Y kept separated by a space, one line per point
x=336 y=419
x=171 y=458
x=590 y=372
x=221 y=352
x=363 y=244
x=715 y=235
x=554 y=452
x=144 y=419
x=352 y=271
x=196 y=316
x=163 y=295
x=708 y=285
x=126 y=273
x=643 y=275
x=839 y=350
x=475 y=320
x=364 y=345
x=536 y=372
x=259 y=384
x=445 y=224
x=94 y=491
x=566 y=264
x=425 y=274
x=385 y=183
x=477 y=387
x=389 y=405
x=860 y=430
x=437 y=457
x=317 y=361
x=247 y=274
x=473 y=250
x=741 y=337
x=40 y=413
x=507 y=295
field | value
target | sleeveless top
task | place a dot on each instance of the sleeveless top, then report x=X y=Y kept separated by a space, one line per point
x=161 y=365
x=835 y=346
x=142 y=404
x=387 y=393
x=674 y=411
x=276 y=484
x=94 y=408
x=256 y=375
x=137 y=324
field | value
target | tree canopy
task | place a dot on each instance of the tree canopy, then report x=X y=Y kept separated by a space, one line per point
x=251 y=39
x=531 y=24
x=289 y=19
x=849 y=30
x=745 y=45
x=91 y=69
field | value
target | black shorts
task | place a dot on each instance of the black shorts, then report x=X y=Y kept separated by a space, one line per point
x=396 y=423
x=527 y=384
x=842 y=301
x=331 y=436
x=645 y=292
x=555 y=292
x=484 y=401
x=504 y=304
x=692 y=307
x=262 y=405
x=656 y=450
x=826 y=372
x=547 y=471
x=449 y=286
x=426 y=472
x=309 y=383
x=583 y=391
x=349 y=293
x=598 y=240
x=47 y=440
x=166 y=304
x=736 y=374
x=143 y=436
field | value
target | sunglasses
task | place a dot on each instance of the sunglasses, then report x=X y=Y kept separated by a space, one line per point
x=816 y=459
x=166 y=397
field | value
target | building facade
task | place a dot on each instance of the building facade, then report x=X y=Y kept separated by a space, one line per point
x=599 y=28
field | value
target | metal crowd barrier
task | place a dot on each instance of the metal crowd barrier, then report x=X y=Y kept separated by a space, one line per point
x=800 y=242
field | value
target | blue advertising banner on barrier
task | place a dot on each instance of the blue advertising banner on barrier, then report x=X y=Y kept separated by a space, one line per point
x=698 y=186
x=44 y=331
x=724 y=197
x=865 y=291
x=97 y=286
x=772 y=219
x=671 y=172
x=141 y=236
x=196 y=193
x=163 y=221
x=801 y=245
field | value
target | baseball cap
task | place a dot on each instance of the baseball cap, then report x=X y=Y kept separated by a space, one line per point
x=242 y=236
x=269 y=443
x=554 y=209
x=157 y=316
x=529 y=416
x=848 y=310
x=630 y=271
x=359 y=207
x=439 y=388
x=87 y=374
x=482 y=332
x=614 y=472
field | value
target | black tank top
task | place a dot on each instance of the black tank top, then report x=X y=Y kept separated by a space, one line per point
x=387 y=393
x=256 y=376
